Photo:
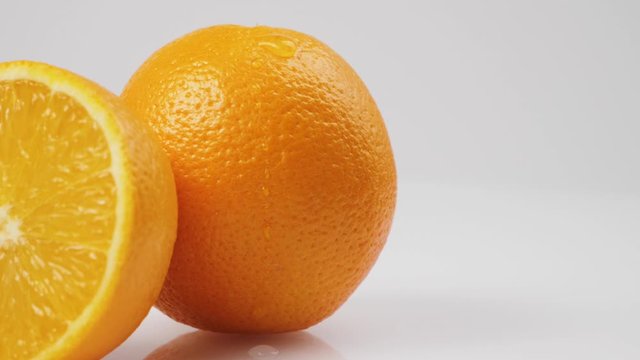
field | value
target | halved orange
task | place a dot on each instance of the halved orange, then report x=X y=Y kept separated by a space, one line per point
x=87 y=216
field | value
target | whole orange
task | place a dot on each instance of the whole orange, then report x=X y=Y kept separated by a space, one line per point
x=285 y=176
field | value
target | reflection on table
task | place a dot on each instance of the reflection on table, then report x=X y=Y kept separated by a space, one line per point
x=212 y=346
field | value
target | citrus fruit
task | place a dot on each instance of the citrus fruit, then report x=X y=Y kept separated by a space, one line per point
x=284 y=171
x=87 y=216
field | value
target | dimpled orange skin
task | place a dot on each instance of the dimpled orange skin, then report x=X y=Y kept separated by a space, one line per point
x=285 y=176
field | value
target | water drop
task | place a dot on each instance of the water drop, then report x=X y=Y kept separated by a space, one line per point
x=263 y=352
x=278 y=45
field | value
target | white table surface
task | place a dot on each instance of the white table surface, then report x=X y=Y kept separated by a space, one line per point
x=468 y=273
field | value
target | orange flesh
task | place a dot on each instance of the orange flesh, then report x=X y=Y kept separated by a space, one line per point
x=57 y=214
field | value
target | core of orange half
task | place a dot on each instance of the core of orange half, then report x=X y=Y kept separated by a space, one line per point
x=87 y=216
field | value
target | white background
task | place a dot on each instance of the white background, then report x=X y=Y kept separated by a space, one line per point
x=516 y=131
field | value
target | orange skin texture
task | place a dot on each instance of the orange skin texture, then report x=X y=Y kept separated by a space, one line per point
x=284 y=171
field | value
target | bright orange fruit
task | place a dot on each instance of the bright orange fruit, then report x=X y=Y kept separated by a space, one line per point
x=87 y=216
x=285 y=176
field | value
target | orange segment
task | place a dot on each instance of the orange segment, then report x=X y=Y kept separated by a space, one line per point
x=81 y=185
